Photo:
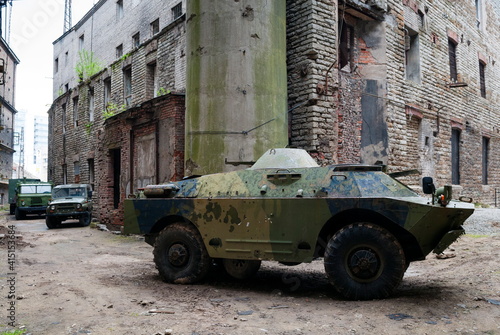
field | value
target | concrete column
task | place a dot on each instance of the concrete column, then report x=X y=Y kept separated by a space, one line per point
x=236 y=90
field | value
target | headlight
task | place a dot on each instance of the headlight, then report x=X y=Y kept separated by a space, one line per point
x=78 y=206
x=23 y=203
x=52 y=207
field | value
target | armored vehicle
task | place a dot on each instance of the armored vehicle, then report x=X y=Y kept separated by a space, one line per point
x=365 y=224
x=72 y=201
x=13 y=189
x=31 y=197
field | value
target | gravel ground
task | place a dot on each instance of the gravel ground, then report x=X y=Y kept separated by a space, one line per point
x=484 y=221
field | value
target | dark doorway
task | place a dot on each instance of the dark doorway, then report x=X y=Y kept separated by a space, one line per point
x=455 y=156
x=115 y=155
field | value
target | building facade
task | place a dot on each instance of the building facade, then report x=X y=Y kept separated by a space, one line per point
x=411 y=84
x=8 y=65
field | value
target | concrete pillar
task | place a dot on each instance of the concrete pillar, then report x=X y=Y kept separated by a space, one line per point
x=236 y=90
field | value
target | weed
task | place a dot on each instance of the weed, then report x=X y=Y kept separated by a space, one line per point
x=87 y=65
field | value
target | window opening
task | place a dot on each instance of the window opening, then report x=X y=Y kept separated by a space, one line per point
x=127 y=86
x=56 y=65
x=115 y=170
x=452 y=52
x=412 y=55
x=485 y=159
x=63 y=108
x=119 y=51
x=119 y=9
x=346 y=47
x=107 y=91
x=91 y=104
x=482 y=79
x=91 y=172
x=76 y=172
x=75 y=111
x=455 y=156
x=81 y=42
x=177 y=11
x=152 y=82
x=155 y=27
x=478 y=13
x=136 y=40
x=65 y=173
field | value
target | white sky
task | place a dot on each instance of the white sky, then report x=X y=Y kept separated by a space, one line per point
x=35 y=24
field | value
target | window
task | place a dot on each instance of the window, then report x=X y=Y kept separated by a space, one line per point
x=452 y=52
x=482 y=78
x=152 y=81
x=412 y=55
x=75 y=111
x=107 y=91
x=127 y=86
x=119 y=9
x=56 y=65
x=63 y=119
x=119 y=51
x=76 y=172
x=455 y=156
x=136 y=40
x=177 y=11
x=66 y=58
x=485 y=159
x=91 y=104
x=81 y=42
x=346 y=47
x=155 y=27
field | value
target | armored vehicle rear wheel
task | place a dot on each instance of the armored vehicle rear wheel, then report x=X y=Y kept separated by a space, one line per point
x=241 y=268
x=52 y=222
x=364 y=261
x=180 y=255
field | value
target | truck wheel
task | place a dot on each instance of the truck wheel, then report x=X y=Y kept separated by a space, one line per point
x=85 y=219
x=180 y=255
x=241 y=268
x=20 y=215
x=52 y=222
x=364 y=261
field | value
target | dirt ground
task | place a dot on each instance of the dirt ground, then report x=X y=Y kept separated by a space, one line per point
x=86 y=281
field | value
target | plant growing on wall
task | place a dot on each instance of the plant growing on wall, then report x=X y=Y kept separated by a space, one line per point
x=88 y=127
x=162 y=91
x=87 y=65
x=112 y=109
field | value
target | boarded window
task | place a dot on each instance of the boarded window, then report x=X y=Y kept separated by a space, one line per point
x=145 y=160
x=485 y=159
x=452 y=52
x=455 y=156
x=482 y=79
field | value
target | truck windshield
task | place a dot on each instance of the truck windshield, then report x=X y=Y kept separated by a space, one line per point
x=39 y=189
x=69 y=192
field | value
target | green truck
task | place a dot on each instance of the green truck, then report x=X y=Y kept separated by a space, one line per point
x=28 y=196
x=367 y=226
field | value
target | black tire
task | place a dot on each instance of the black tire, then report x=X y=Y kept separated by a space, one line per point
x=20 y=215
x=364 y=261
x=241 y=268
x=180 y=255
x=85 y=219
x=12 y=209
x=52 y=222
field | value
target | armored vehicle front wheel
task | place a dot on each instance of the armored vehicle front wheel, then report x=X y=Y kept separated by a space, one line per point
x=180 y=255
x=20 y=215
x=364 y=261
x=241 y=268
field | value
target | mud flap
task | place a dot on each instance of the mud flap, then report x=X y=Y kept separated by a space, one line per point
x=448 y=239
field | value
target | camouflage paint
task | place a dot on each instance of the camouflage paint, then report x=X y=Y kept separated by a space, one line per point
x=278 y=214
x=236 y=82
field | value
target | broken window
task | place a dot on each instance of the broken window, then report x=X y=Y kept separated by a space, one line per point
x=155 y=27
x=75 y=111
x=119 y=51
x=127 y=86
x=452 y=52
x=412 y=55
x=482 y=78
x=136 y=40
x=346 y=46
x=455 y=156
x=485 y=159
x=177 y=11
x=119 y=9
